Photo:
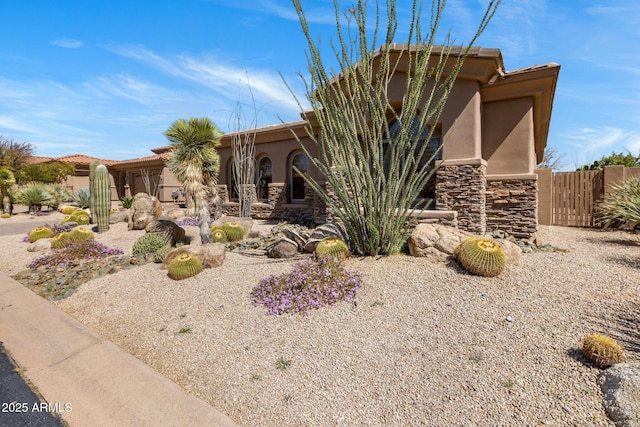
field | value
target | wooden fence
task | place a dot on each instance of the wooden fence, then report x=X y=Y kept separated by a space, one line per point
x=570 y=198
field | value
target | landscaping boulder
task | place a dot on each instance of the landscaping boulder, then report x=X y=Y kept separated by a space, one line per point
x=210 y=255
x=175 y=214
x=620 y=386
x=39 y=245
x=168 y=230
x=329 y=229
x=120 y=216
x=282 y=248
x=428 y=239
x=144 y=209
x=512 y=251
x=298 y=236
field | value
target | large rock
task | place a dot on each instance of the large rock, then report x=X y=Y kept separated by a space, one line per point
x=512 y=251
x=298 y=236
x=120 y=216
x=175 y=214
x=39 y=245
x=210 y=255
x=426 y=239
x=144 y=209
x=168 y=230
x=330 y=229
x=620 y=386
x=282 y=248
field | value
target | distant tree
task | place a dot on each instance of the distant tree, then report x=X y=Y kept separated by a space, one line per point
x=195 y=163
x=49 y=173
x=552 y=159
x=14 y=155
x=620 y=159
x=6 y=183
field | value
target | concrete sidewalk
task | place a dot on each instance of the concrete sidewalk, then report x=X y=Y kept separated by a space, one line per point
x=86 y=378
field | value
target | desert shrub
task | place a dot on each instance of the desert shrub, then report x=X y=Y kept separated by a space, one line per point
x=602 y=351
x=187 y=220
x=149 y=243
x=621 y=207
x=84 y=250
x=311 y=284
x=35 y=196
x=82 y=197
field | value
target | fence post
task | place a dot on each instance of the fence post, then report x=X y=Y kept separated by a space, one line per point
x=545 y=196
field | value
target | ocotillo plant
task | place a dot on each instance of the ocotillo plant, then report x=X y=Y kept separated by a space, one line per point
x=101 y=194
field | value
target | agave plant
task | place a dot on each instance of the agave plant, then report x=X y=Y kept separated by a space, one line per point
x=35 y=196
x=621 y=207
x=82 y=197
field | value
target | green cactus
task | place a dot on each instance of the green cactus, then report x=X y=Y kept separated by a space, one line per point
x=101 y=195
x=334 y=246
x=218 y=235
x=79 y=234
x=184 y=266
x=602 y=351
x=81 y=217
x=233 y=231
x=60 y=240
x=92 y=175
x=40 y=233
x=481 y=256
x=160 y=254
x=147 y=243
x=68 y=210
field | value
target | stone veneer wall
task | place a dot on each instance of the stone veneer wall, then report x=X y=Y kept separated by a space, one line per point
x=512 y=206
x=462 y=188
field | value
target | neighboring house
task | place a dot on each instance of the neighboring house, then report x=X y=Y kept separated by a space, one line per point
x=493 y=132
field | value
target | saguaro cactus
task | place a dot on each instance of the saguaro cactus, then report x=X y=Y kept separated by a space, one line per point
x=92 y=200
x=101 y=194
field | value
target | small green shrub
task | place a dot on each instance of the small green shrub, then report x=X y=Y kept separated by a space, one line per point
x=35 y=196
x=126 y=201
x=621 y=207
x=602 y=351
x=184 y=266
x=149 y=243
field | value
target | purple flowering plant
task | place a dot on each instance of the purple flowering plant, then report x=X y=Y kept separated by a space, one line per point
x=187 y=220
x=311 y=284
x=84 y=250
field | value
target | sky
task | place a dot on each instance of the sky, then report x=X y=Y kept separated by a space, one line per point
x=107 y=78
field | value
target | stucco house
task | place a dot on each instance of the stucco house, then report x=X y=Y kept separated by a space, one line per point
x=493 y=132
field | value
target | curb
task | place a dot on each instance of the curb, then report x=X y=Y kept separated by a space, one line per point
x=86 y=378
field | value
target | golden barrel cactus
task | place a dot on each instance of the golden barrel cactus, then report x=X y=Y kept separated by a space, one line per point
x=602 y=351
x=481 y=256
x=184 y=266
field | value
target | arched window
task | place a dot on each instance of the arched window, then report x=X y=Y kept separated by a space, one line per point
x=264 y=178
x=300 y=162
x=432 y=152
x=231 y=182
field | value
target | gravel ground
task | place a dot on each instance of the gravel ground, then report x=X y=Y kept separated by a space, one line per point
x=427 y=345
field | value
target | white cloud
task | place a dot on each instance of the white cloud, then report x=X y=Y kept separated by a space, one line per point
x=67 y=43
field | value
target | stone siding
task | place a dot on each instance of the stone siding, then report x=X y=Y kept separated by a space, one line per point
x=462 y=189
x=512 y=206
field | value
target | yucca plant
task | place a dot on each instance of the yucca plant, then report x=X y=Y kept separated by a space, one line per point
x=621 y=207
x=35 y=196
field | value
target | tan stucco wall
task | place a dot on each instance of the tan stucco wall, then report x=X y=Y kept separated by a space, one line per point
x=508 y=136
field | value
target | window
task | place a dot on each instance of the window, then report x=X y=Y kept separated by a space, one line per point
x=433 y=149
x=264 y=178
x=301 y=162
x=231 y=182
